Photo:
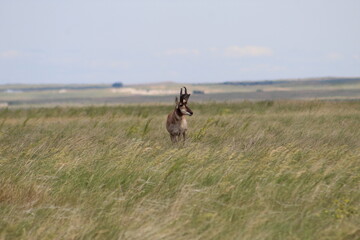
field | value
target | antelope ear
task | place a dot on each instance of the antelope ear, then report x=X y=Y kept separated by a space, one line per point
x=176 y=101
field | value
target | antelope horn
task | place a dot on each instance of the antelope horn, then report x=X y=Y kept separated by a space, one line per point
x=180 y=91
x=185 y=90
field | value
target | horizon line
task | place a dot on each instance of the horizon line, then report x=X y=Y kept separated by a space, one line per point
x=193 y=83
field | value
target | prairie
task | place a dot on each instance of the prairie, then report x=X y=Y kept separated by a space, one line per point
x=248 y=170
x=296 y=89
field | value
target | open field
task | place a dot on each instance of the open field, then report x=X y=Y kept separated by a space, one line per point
x=51 y=95
x=249 y=170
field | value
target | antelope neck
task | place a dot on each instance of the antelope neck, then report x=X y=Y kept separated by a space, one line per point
x=178 y=113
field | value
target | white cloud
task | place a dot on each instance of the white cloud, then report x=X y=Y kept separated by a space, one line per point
x=334 y=56
x=10 y=54
x=119 y=64
x=263 y=68
x=173 y=73
x=247 y=51
x=213 y=49
x=108 y=64
x=182 y=52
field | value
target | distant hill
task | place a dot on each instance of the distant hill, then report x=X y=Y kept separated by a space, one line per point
x=34 y=88
x=295 y=81
x=56 y=94
x=253 y=83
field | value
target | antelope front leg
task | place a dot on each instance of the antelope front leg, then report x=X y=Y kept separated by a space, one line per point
x=184 y=136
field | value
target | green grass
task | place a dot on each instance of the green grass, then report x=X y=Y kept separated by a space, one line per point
x=249 y=170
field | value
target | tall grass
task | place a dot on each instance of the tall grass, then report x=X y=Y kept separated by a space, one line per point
x=264 y=170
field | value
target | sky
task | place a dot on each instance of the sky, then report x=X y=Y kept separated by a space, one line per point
x=185 y=41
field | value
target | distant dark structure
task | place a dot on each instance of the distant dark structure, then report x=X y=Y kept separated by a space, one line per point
x=198 y=92
x=117 y=85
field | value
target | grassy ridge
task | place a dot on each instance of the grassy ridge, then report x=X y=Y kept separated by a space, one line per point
x=265 y=170
x=300 y=89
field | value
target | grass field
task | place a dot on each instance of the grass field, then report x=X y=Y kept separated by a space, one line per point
x=248 y=170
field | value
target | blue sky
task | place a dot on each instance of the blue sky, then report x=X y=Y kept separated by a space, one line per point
x=185 y=41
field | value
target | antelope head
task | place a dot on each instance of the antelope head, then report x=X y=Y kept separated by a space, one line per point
x=184 y=97
x=181 y=106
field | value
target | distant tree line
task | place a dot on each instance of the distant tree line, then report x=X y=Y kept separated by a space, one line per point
x=66 y=87
x=117 y=85
x=268 y=82
x=299 y=81
x=35 y=89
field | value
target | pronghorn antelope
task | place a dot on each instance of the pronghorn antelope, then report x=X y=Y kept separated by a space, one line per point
x=176 y=123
